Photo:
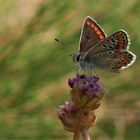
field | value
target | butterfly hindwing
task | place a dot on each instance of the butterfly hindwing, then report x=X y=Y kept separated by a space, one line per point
x=91 y=34
x=111 y=60
x=119 y=40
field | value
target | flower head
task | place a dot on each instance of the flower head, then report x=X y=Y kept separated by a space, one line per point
x=78 y=113
x=85 y=88
x=88 y=85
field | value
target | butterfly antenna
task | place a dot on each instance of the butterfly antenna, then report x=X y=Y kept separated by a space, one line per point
x=57 y=40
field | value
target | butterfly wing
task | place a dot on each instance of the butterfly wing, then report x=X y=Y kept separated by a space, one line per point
x=112 y=53
x=91 y=34
x=111 y=60
x=118 y=40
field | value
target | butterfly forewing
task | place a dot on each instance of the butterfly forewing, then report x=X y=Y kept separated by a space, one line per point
x=91 y=34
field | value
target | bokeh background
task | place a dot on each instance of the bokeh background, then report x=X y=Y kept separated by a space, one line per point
x=34 y=68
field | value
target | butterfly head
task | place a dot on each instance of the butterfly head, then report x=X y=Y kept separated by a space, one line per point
x=76 y=57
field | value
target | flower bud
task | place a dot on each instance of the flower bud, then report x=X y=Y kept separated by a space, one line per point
x=72 y=117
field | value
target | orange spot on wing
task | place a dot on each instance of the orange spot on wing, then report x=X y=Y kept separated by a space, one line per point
x=88 y=23
x=118 y=65
x=98 y=32
x=92 y=26
x=95 y=29
x=101 y=37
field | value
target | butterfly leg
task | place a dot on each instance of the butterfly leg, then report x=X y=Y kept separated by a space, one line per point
x=78 y=70
x=89 y=69
x=95 y=72
x=89 y=72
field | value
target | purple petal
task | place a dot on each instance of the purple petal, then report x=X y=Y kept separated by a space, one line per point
x=81 y=76
x=86 y=85
x=90 y=92
x=71 y=82
x=94 y=79
x=83 y=88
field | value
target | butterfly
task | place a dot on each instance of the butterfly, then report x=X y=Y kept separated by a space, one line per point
x=99 y=51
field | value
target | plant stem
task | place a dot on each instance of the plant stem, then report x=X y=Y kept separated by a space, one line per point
x=85 y=134
x=76 y=135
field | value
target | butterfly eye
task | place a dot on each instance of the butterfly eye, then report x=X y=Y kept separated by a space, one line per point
x=78 y=58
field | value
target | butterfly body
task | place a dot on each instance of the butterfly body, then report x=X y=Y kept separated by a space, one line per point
x=99 y=51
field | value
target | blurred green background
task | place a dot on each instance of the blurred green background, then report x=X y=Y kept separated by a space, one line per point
x=34 y=68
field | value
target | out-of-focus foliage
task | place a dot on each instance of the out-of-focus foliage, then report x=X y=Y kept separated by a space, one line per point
x=34 y=68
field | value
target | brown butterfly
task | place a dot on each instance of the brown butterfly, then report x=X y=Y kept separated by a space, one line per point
x=99 y=51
